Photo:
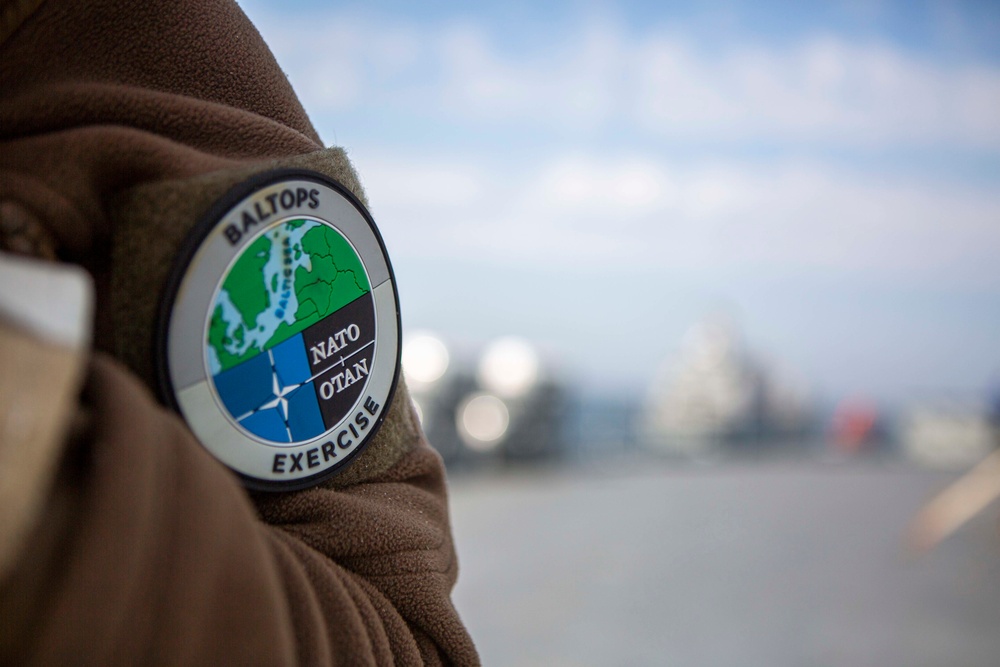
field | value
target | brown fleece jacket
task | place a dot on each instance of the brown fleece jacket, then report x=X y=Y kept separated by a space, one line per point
x=120 y=122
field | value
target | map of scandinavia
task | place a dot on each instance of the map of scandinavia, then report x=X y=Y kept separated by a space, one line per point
x=291 y=336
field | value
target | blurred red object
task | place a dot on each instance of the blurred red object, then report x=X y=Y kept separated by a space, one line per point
x=853 y=424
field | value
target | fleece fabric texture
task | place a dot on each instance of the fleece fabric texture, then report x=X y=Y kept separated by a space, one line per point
x=118 y=121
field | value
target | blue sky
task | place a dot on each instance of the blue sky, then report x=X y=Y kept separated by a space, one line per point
x=600 y=176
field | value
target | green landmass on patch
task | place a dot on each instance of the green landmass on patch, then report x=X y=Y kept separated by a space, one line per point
x=336 y=278
x=218 y=339
x=245 y=282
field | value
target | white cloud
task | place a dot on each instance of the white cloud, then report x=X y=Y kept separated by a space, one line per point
x=579 y=85
x=824 y=89
x=642 y=211
x=578 y=185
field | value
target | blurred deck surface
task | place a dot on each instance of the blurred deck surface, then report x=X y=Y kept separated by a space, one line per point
x=738 y=564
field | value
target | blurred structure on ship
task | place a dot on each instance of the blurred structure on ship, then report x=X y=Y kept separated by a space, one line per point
x=505 y=403
x=948 y=434
x=717 y=395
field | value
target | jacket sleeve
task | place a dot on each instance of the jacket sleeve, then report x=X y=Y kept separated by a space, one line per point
x=150 y=552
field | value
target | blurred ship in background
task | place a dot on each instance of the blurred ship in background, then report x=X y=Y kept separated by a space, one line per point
x=717 y=394
x=508 y=402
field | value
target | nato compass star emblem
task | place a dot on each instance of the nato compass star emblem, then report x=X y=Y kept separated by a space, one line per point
x=279 y=402
x=281 y=345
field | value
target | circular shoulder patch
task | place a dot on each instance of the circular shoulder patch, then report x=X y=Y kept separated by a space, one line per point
x=280 y=336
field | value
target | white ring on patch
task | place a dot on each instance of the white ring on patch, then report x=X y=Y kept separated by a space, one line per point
x=281 y=338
